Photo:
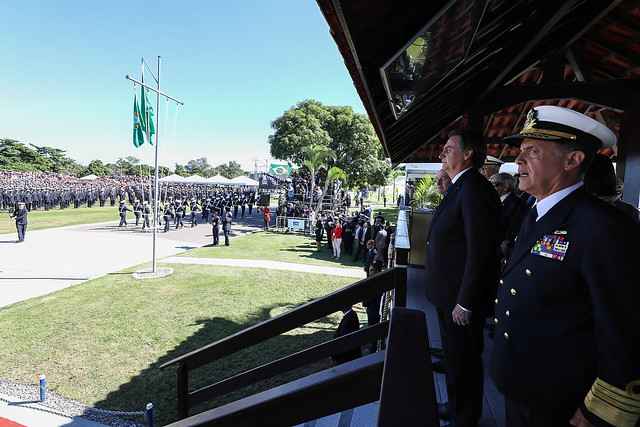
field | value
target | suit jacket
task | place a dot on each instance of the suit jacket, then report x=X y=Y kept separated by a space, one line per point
x=462 y=246
x=513 y=212
x=562 y=323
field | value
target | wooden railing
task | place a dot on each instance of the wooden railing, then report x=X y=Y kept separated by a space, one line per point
x=392 y=279
x=400 y=378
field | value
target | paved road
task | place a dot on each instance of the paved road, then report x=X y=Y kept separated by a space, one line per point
x=53 y=259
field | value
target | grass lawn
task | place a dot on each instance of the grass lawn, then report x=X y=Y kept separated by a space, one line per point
x=101 y=342
x=275 y=247
x=61 y=217
x=390 y=213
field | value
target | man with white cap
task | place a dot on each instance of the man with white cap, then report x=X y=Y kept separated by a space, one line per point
x=20 y=215
x=566 y=341
x=491 y=166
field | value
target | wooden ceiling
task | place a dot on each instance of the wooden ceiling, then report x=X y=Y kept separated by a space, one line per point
x=520 y=45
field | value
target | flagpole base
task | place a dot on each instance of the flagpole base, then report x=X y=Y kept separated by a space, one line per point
x=148 y=274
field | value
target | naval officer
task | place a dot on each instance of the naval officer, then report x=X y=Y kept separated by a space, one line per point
x=566 y=348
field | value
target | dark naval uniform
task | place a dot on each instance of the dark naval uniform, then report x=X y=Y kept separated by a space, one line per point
x=567 y=312
x=215 y=228
x=122 y=210
x=226 y=226
x=20 y=215
x=567 y=309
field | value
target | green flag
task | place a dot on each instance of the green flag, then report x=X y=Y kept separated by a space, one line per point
x=280 y=170
x=138 y=133
x=147 y=109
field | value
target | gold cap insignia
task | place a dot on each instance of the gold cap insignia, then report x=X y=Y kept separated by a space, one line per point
x=531 y=122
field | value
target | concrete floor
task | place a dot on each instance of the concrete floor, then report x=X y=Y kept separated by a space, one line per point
x=53 y=259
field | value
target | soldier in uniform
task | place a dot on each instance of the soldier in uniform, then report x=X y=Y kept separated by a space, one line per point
x=236 y=203
x=566 y=340
x=226 y=225
x=137 y=210
x=179 y=214
x=20 y=215
x=168 y=213
x=146 y=213
x=206 y=210
x=194 y=211
x=122 y=210
x=215 y=224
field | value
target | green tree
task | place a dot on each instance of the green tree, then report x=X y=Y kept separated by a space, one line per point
x=316 y=157
x=334 y=173
x=96 y=167
x=229 y=170
x=181 y=170
x=128 y=166
x=199 y=167
x=58 y=160
x=348 y=134
x=16 y=156
x=162 y=171
x=392 y=177
x=426 y=193
x=299 y=127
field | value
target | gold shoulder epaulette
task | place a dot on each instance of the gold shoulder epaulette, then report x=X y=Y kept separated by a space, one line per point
x=618 y=407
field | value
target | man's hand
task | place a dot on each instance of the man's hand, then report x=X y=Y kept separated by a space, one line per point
x=461 y=316
x=579 y=420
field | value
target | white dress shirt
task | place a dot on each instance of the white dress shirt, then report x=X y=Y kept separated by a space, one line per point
x=458 y=175
x=543 y=206
x=453 y=181
x=504 y=197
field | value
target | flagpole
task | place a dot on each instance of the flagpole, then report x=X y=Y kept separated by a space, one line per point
x=156 y=174
x=155 y=199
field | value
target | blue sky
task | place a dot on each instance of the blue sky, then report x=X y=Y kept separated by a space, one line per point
x=236 y=65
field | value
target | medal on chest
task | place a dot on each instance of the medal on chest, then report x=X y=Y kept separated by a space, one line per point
x=553 y=246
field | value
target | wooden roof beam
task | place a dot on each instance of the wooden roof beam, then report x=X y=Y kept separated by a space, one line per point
x=612 y=5
x=577 y=68
x=617 y=94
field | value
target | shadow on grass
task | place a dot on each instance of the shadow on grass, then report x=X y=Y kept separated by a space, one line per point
x=159 y=386
x=310 y=250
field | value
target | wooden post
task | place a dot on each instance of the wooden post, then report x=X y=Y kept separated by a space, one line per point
x=183 y=390
x=400 y=286
x=628 y=164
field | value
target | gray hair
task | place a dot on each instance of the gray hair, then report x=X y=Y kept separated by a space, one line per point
x=506 y=180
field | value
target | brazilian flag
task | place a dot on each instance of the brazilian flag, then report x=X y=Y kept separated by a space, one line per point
x=147 y=109
x=138 y=132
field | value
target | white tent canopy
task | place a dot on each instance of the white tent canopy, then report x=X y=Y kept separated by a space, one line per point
x=89 y=177
x=244 y=180
x=218 y=179
x=172 y=178
x=196 y=179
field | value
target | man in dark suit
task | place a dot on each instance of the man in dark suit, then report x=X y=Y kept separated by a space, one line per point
x=513 y=209
x=566 y=341
x=20 y=215
x=461 y=270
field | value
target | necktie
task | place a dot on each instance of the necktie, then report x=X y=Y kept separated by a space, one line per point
x=528 y=223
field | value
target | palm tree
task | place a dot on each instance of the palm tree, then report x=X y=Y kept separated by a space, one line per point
x=333 y=174
x=394 y=174
x=316 y=158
